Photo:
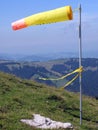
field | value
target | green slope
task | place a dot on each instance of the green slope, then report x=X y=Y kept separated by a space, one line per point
x=19 y=99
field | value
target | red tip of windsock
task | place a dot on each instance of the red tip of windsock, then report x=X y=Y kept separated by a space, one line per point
x=19 y=24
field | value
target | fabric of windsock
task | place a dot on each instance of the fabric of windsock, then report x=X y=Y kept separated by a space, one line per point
x=52 y=16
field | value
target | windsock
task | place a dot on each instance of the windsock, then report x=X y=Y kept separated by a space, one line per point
x=52 y=16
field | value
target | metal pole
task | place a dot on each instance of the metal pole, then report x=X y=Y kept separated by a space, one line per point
x=80 y=63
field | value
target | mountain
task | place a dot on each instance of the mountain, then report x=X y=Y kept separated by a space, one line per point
x=37 y=57
x=57 y=68
x=19 y=99
x=45 y=56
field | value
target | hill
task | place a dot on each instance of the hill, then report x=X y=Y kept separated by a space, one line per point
x=21 y=98
x=57 y=68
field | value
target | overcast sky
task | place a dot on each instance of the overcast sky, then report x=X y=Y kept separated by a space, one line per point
x=58 y=37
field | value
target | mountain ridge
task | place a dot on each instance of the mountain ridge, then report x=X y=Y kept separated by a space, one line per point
x=45 y=56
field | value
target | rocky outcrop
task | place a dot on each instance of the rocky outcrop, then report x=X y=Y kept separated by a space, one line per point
x=46 y=123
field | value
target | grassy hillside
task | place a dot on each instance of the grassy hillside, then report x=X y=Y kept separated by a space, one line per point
x=57 y=68
x=19 y=99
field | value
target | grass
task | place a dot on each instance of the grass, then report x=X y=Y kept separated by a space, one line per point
x=19 y=99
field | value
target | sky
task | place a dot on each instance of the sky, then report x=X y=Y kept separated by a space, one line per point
x=57 y=37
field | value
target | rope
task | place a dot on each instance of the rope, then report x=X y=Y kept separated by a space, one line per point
x=68 y=83
x=77 y=9
x=79 y=70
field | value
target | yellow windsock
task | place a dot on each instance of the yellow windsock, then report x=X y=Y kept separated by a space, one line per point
x=52 y=16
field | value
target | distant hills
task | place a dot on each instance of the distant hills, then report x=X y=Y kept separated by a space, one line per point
x=54 y=69
x=37 y=57
x=45 y=56
x=19 y=99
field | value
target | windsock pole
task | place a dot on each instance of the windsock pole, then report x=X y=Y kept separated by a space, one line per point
x=80 y=63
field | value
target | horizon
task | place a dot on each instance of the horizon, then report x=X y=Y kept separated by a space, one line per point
x=46 y=56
